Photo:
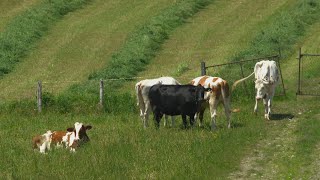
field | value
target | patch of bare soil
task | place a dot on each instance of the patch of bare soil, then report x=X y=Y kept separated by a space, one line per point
x=260 y=162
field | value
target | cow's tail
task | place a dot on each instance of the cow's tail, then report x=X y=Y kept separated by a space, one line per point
x=240 y=80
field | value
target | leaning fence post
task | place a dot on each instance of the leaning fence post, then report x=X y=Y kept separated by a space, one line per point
x=101 y=93
x=299 y=73
x=39 y=96
x=203 y=68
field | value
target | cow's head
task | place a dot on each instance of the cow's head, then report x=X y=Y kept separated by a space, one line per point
x=80 y=132
x=261 y=89
x=201 y=94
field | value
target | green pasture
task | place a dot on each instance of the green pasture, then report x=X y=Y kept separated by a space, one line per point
x=10 y=8
x=86 y=43
x=77 y=46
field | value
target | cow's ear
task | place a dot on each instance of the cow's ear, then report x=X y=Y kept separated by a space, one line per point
x=70 y=129
x=88 y=127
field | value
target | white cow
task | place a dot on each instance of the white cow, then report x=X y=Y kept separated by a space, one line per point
x=219 y=93
x=142 y=90
x=266 y=79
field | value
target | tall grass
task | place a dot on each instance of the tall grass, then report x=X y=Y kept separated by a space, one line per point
x=23 y=31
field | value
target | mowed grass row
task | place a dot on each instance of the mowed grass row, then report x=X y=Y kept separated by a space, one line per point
x=9 y=9
x=78 y=45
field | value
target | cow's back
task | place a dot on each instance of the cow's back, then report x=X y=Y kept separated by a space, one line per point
x=172 y=99
x=57 y=136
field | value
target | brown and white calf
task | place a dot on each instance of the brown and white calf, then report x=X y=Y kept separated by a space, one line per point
x=72 y=138
x=219 y=93
x=42 y=142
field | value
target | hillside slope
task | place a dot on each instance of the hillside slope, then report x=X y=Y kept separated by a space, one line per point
x=78 y=45
x=221 y=30
x=10 y=8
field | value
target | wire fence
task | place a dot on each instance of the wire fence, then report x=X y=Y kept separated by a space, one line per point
x=239 y=69
x=308 y=74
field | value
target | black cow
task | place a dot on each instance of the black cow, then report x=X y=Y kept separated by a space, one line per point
x=184 y=100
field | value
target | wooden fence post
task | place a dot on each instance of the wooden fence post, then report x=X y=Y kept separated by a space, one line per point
x=299 y=72
x=101 y=93
x=39 y=96
x=203 y=68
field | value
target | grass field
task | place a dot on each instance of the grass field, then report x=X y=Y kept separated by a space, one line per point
x=10 y=8
x=83 y=40
x=286 y=147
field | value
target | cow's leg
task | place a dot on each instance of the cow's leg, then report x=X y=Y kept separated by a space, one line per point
x=213 y=111
x=256 y=107
x=201 y=118
x=172 y=121
x=269 y=108
x=165 y=120
x=49 y=145
x=43 y=148
x=266 y=108
x=157 y=117
x=184 y=119
x=142 y=110
x=191 y=120
x=146 y=114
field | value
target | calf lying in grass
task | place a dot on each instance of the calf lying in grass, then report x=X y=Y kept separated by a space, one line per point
x=42 y=142
x=72 y=138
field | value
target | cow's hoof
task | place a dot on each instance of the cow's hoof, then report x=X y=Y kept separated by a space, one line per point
x=266 y=116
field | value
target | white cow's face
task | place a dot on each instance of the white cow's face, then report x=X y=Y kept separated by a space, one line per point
x=261 y=89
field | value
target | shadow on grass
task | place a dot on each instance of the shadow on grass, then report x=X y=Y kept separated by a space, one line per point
x=279 y=117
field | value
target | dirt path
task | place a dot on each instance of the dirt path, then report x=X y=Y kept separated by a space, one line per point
x=260 y=162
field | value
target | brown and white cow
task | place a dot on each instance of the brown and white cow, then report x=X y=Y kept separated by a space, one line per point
x=219 y=93
x=72 y=138
x=42 y=142
x=266 y=79
x=142 y=90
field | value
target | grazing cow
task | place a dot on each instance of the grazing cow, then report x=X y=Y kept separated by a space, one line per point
x=142 y=90
x=266 y=79
x=172 y=100
x=42 y=142
x=72 y=138
x=219 y=93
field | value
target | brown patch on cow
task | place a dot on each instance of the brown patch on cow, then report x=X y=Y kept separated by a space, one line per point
x=36 y=141
x=203 y=80
x=226 y=89
x=216 y=90
x=57 y=136
x=215 y=79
